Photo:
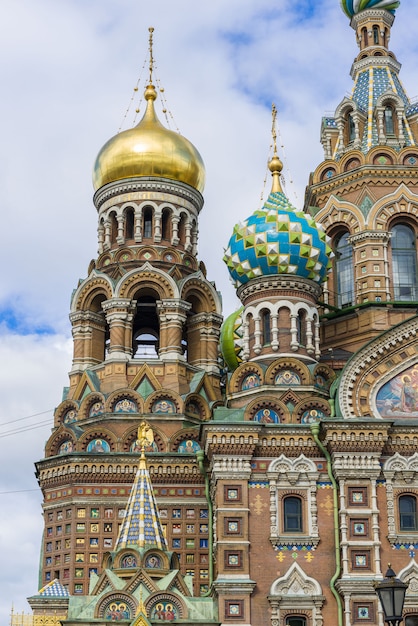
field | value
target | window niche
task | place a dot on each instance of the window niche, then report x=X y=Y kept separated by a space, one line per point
x=296 y=599
x=293 y=504
x=401 y=474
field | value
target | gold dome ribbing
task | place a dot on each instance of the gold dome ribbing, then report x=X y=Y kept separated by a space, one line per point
x=149 y=150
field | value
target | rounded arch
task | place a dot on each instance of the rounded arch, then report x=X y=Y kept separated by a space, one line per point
x=310 y=410
x=163 y=601
x=147 y=279
x=91 y=292
x=124 y=256
x=408 y=156
x=54 y=445
x=88 y=406
x=122 y=394
x=64 y=410
x=148 y=220
x=197 y=407
x=201 y=294
x=356 y=155
x=170 y=255
x=288 y=364
x=155 y=559
x=183 y=435
x=147 y=254
x=164 y=401
x=114 y=601
x=323 y=377
x=343 y=269
x=166 y=223
x=129 y=222
x=242 y=372
x=128 y=558
x=265 y=410
x=97 y=434
x=401 y=202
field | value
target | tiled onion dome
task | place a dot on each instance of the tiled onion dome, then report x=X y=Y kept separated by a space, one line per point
x=352 y=7
x=277 y=239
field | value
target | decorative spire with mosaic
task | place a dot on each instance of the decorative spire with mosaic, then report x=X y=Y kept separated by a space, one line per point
x=141 y=526
x=352 y=7
x=277 y=239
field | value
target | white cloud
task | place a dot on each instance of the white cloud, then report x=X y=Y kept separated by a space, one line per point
x=67 y=71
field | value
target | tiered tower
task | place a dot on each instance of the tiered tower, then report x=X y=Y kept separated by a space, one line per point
x=146 y=325
x=365 y=191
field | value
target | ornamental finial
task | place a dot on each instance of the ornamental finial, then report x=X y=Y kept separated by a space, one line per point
x=151 y=58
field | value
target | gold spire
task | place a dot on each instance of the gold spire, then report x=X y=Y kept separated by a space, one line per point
x=275 y=164
x=151 y=58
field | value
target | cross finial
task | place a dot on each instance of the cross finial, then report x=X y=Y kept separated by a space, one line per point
x=273 y=127
x=151 y=58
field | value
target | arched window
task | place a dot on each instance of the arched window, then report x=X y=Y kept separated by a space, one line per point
x=411 y=620
x=182 y=229
x=147 y=229
x=404 y=263
x=376 y=35
x=389 y=124
x=344 y=271
x=145 y=345
x=365 y=36
x=166 y=224
x=266 y=327
x=407 y=513
x=113 y=228
x=351 y=128
x=292 y=515
x=146 y=328
x=129 y=223
x=301 y=326
x=295 y=621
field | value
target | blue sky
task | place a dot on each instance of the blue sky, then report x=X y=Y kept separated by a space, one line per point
x=67 y=71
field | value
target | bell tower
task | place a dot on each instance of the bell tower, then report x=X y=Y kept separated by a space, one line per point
x=146 y=325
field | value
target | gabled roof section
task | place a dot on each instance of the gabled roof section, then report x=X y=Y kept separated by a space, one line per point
x=201 y=385
x=107 y=579
x=87 y=384
x=145 y=382
x=54 y=589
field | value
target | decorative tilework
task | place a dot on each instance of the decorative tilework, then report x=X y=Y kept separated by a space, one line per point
x=54 y=589
x=278 y=239
x=141 y=526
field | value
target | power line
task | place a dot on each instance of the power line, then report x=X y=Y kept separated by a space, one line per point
x=20 y=419
x=24 y=429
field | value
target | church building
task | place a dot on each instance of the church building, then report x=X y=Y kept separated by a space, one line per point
x=259 y=469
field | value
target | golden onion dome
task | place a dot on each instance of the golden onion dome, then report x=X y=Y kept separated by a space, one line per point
x=149 y=150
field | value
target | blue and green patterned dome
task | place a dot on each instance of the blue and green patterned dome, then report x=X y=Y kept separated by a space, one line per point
x=278 y=239
x=352 y=7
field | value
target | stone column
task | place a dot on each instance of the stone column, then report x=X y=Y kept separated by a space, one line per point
x=173 y=315
x=119 y=315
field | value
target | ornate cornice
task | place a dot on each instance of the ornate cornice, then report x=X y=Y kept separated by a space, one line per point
x=259 y=287
x=140 y=185
x=361 y=436
x=364 y=64
x=344 y=181
x=369 y=234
